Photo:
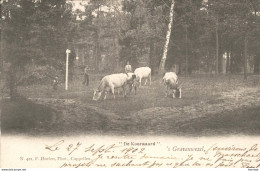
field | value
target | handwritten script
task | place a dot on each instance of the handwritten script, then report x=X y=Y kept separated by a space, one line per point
x=147 y=155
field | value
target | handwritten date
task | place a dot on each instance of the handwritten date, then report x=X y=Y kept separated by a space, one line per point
x=113 y=155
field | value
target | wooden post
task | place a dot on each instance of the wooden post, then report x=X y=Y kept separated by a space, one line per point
x=67 y=68
x=217 y=46
x=245 y=58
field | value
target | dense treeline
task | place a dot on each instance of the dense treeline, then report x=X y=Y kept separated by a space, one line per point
x=206 y=36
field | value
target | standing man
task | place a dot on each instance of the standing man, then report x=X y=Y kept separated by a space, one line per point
x=86 y=78
x=55 y=83
x=128 y=67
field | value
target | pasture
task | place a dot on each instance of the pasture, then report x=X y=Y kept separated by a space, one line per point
x=210 y=105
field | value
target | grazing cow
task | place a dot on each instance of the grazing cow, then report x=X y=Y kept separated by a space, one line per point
x=143 y=72
x=111 y=82
x=170 y=80
x=130 y=84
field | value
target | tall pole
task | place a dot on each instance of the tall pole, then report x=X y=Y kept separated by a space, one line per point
x=186 y=50
x=217 y=46
x=245 y=57
x=67 y=69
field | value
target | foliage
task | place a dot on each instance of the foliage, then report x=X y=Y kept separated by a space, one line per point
x=110 y=33
x=35 y=33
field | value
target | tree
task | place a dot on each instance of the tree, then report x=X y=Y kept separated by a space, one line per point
x=16 y=26
x=32 y=37
x=143 y=37
x=185 y=40
x=165 y=49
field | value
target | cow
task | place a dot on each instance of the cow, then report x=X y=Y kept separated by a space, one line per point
x=111 y=82
x=143 y=72
x=130 y=84
x=170 y=80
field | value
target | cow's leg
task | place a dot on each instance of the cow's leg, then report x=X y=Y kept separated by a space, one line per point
x=105 y=96
x=124 y=91
x=130 y=88
x=173 y=93
x=140 y=81
x=146 y=81
x=117 y=91
x=150 y=77
x=113 y=91
x=166 y=92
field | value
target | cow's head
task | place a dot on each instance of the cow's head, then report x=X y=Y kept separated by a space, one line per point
x=178 y=91
x=131 y=81
x=96 y=95
x=163 y=74
x=131 y=78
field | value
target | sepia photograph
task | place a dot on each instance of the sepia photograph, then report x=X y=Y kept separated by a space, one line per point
x=130 y=83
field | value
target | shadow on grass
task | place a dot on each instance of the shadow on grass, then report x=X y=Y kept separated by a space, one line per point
x=25 y=117
x=22 y=115
x=244 y=121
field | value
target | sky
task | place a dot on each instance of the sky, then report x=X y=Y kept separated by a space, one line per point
x=77 y=4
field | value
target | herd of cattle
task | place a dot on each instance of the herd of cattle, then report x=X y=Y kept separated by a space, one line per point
x=113 y=82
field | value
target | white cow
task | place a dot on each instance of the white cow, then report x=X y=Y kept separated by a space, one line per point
x=170 y=80
x=130 y=84
x=143 y=72
x=111 y=82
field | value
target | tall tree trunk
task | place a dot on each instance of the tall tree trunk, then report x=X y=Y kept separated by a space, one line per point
x=217 y=46
x=257 y=55
x=257 y=62
x=180 y=68
x=1 y=55
x=83 y=57
x=98 y=54
x=228 y=62
x=220 y=54
x=208 y=57
x=168 y=35
x=245 y=57
x=116 y=52
x=116 y=45
x=228 y=69
x=186 y=50
x=151 y=54
x=232 y=61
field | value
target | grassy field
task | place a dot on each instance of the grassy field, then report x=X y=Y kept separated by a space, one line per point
x=210 y=105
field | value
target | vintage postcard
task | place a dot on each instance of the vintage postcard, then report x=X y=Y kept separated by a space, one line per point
x=130 y=84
